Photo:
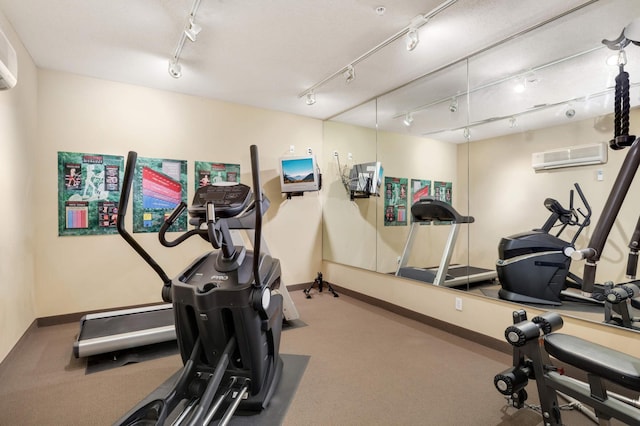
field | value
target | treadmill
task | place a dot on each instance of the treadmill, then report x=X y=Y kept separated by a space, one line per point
x=130 y=328
x=429 y=211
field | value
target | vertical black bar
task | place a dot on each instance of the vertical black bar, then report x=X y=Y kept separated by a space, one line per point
x=122 y=210
x=610 y=212
x=257 y=194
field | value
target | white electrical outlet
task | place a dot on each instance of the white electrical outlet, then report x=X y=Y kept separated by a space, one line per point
x=458 y=303
x=350 y=156
x=309 y=151
x=335 y=154
x=292 y=149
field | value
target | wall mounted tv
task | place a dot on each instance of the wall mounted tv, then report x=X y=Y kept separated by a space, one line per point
x=299 y=174
x=366 y=178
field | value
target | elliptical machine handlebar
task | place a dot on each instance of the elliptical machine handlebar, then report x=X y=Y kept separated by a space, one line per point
x=127 y=184
x=257 y=191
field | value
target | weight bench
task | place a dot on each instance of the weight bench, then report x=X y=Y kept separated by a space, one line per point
x=535 y=342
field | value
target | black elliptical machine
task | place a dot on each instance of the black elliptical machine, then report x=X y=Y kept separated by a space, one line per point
x=228 y=324
x=533 y=267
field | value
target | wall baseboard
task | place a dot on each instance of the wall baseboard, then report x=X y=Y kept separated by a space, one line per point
x=424 y=319
x=464 y=333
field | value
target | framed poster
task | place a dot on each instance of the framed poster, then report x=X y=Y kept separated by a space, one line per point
x=159 y=185
x=395 y=201
x=443 y=191
x=208 y=173
x=88 y=193
x=420 y=188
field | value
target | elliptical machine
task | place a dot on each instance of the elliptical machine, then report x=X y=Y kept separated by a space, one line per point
x=533 y=267
x=228 y=324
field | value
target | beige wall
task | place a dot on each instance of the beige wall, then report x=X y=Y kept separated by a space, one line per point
x=411 y=157
x=18 y=179
x=81 y=114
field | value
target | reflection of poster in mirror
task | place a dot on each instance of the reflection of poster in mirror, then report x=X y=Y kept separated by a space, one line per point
x=395 y=201
x=420 y=188
x=88 y=193
x=443 y=191
x=159 y=186
x=208 y=173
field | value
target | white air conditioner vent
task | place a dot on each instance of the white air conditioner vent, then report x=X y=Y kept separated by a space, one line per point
x=571 y=156
x=8 y=64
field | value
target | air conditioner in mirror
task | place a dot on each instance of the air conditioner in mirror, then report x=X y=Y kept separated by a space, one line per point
x=571 y=156
x=8 y=64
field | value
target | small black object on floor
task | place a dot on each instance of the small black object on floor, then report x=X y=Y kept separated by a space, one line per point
x=107 y=361
x=320 y=283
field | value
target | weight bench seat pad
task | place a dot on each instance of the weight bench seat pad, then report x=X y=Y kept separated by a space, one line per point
x=610 y=364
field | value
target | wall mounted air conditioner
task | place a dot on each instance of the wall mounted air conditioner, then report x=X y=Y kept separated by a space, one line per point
x=571 y=156
x=8 y=64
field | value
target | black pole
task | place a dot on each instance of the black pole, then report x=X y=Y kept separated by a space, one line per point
x=257 y=194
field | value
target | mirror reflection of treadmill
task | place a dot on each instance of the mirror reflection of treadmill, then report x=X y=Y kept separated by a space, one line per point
x=430 y=211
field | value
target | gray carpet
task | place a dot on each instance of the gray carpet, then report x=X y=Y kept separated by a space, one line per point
x=364 y=366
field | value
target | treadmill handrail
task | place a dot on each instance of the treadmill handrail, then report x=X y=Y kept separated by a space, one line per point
x=429 y=209
x=122 y=210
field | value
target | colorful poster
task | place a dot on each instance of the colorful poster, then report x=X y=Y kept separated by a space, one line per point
x=420 y=188
x=208 y=173
x=87 y=183
x=443 y=191
x=159 y=186
x=395 y=201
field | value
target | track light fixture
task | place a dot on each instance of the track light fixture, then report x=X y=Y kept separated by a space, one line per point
x=349 y=74
x=412 y=39
x=175 y=70
x=453 y=106
x=408 y=120
x=311 y=98
x=410 y=31
x=191 y=31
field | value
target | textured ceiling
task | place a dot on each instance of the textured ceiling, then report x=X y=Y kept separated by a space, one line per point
x=265 y=53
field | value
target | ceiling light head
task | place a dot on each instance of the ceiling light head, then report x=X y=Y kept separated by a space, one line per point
x=453 y=106
x=570 y=112
x=412 y=38
x=175 y=70
x=311 y=98
x=192 y=30
x=466 y=133
x=408 y=119
x=349 y=74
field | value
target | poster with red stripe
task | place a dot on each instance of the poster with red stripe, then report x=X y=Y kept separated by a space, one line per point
x=158 y=188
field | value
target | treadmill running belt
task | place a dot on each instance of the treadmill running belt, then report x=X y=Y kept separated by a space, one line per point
x=101 y=327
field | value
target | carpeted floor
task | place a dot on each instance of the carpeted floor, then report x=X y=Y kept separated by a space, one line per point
x=366 y=366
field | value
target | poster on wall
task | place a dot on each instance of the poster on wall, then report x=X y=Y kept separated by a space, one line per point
x=395 y=201
x=88 y=193
x=443 y=191
x=420 y=188
x=208 y=173
x=159 y=186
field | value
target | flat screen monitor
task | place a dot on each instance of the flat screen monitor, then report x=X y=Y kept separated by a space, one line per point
x=366 y=178
x=299 y=174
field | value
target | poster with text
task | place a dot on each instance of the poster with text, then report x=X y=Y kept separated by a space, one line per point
x=395 y=201
x=443 y=191
x=88 y=193
x=420 y=188
x=159 y=186
x=208 y=173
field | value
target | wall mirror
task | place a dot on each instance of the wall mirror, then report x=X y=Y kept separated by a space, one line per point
x=544 y=88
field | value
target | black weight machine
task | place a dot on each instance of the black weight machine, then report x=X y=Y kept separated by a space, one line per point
x=228 y=323
x=533 y=266
x=536 y=341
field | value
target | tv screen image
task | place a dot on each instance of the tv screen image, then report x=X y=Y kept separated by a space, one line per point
x=299 y=174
